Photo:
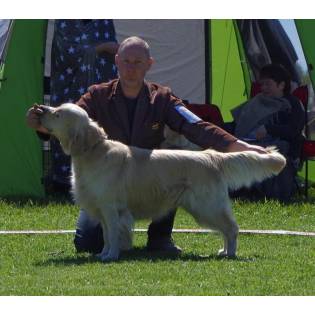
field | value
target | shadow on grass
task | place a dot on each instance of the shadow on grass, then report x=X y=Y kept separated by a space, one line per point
x=140 y=254
x=62 y=197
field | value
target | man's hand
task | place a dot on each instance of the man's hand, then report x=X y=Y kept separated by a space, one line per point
x=108 y=47
x=32 y=119
x=239 y=146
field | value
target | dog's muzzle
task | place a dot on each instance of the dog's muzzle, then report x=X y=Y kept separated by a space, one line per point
x=43 y=109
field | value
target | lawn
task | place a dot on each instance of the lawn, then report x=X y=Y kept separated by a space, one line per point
x=266 y=265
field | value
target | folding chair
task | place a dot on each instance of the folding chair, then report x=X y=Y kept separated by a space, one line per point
x=207 y=112
x=308 y=147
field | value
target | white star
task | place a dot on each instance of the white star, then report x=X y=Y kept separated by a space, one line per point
x=69 y=70
x=71 y=50
x=106 y=22
x=84 y=36
x=103 y=61
x=65 y=91
x=83 y=68
x=77 y=39
x=61 y=77
x=54 y=97
x=106 y=35
x=63 y=24
x=97 y=34
x=64 y=168
x=114 y=68
x=81 y=90
x=62 y=57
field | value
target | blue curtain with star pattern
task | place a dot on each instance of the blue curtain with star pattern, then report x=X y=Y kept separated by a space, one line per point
x=74 y=67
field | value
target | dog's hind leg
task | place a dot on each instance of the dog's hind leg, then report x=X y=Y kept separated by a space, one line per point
x=227 y=225
x=222 y=221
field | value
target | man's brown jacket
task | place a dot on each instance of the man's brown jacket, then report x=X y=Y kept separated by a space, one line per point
x=156 y=106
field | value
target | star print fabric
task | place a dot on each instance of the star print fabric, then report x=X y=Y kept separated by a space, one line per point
x=74 y=67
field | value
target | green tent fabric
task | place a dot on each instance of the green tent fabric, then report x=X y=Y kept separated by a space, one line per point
x=229 y=75
x=305 y=29
x=21 y=155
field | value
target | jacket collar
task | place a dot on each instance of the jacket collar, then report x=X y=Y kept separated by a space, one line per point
x=146 y=89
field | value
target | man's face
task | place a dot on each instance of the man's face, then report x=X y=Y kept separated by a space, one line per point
x=133 y=64
x=270 y=87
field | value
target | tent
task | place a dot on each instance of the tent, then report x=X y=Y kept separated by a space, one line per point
x=204 y=61
x=21 y=85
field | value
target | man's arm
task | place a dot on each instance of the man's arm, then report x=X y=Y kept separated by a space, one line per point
x=203 y=133
x=109 y=47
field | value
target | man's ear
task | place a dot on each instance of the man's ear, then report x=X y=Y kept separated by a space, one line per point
x=151 y=62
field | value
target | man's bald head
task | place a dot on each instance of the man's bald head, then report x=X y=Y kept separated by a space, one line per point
x=134 y=42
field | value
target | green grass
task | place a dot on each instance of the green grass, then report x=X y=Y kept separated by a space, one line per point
x=266 y=265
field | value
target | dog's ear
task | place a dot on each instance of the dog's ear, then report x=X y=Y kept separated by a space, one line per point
x=81 y=137
x=74 y=141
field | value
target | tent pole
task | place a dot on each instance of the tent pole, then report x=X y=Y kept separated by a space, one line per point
x=207 y=25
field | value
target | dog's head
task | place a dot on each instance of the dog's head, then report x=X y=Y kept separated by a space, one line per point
x=71 y=125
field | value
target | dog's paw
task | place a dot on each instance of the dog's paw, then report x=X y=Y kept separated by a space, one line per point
x=222 y=253
x=107 y=257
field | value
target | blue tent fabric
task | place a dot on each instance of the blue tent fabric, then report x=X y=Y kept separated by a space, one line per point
x=74 y=67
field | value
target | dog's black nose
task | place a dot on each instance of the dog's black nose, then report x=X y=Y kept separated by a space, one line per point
x=44 y=108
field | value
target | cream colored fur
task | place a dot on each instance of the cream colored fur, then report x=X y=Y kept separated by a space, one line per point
x=117 y=183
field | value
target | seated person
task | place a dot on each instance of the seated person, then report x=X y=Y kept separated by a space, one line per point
x=274 y=117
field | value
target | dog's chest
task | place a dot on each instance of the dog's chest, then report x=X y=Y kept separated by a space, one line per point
x=86 y=188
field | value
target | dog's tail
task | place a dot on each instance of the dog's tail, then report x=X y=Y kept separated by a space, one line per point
x=245 y=168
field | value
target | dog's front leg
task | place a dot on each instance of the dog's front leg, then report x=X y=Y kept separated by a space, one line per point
x=110 y=221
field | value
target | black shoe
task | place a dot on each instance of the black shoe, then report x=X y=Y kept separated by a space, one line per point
x=165 y=245
x=88 y=242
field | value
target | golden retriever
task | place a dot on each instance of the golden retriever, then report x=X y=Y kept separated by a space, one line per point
x=117 y=183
